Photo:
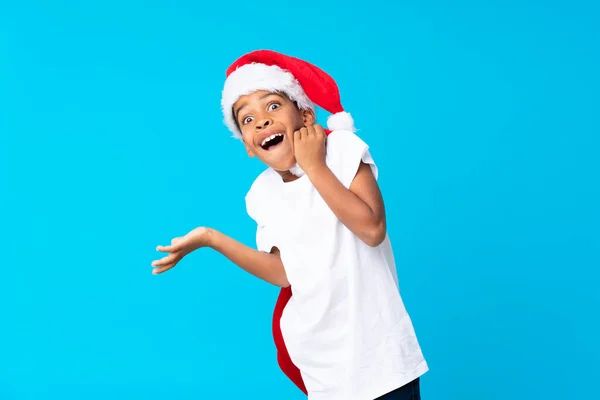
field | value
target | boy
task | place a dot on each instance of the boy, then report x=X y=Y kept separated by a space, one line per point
x=340 y=326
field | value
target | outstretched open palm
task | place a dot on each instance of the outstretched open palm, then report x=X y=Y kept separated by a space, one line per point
x=179 y=248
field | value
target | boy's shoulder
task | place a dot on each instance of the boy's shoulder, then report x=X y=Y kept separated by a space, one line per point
x=343 y=138
x=263 y=180
x=345 y=151
x=259 y=190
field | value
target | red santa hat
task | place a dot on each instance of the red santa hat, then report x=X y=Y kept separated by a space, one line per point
x=301 y=81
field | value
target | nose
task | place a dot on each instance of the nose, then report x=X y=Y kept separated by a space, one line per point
x=264 y=123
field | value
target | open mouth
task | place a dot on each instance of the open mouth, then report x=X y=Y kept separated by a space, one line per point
x=272 y=141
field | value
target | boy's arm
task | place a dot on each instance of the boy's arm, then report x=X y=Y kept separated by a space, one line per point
x=266 y=266
x=359 y=208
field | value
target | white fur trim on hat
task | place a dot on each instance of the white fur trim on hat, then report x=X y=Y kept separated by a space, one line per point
x=296 y=170
x=253 y=77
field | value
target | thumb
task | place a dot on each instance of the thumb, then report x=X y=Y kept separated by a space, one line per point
x=175 y=246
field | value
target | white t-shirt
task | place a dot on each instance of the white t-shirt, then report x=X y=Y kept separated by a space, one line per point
x=345 y=327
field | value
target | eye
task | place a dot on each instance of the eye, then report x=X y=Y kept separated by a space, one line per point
x=246 y=120
x=274 y=106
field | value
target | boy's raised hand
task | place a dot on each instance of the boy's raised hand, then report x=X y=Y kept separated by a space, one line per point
x=179 y=248
x=309 y=147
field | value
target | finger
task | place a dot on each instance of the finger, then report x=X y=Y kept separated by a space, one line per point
x=165 y=260
x=170 y=249
x=175 y=240
x=297 y=136
x=319 y=130
x=310 y=131
x=160 y=270
x=304 y=132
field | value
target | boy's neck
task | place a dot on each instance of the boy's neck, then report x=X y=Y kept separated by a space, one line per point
x=287 y=176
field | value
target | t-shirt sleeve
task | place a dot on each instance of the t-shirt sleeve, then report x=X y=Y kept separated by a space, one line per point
x=346 y=151
x=264 y=242
x=254 y=208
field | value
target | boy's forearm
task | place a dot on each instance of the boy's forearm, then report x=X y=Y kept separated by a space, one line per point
x=266 y=266
x=353 y=212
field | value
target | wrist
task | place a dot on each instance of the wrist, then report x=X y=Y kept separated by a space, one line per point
x=211 y=238
x=316 y=169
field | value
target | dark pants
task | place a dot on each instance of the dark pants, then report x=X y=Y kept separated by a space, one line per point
x=410 y=391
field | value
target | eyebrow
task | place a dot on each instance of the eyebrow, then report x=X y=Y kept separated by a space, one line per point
x=236 y=113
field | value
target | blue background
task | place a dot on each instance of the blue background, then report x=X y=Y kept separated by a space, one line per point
x=482 y=116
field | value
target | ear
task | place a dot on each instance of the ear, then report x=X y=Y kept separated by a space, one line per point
x=308 y=117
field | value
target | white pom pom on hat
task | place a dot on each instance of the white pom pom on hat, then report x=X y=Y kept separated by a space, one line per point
x=340 y=121
x=301 y=81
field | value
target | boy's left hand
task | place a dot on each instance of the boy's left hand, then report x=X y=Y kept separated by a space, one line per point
x=309 y=147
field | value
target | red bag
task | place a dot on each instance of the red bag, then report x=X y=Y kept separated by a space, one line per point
x=283 y=358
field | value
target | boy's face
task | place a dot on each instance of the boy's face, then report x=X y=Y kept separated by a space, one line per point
x=268 y=122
